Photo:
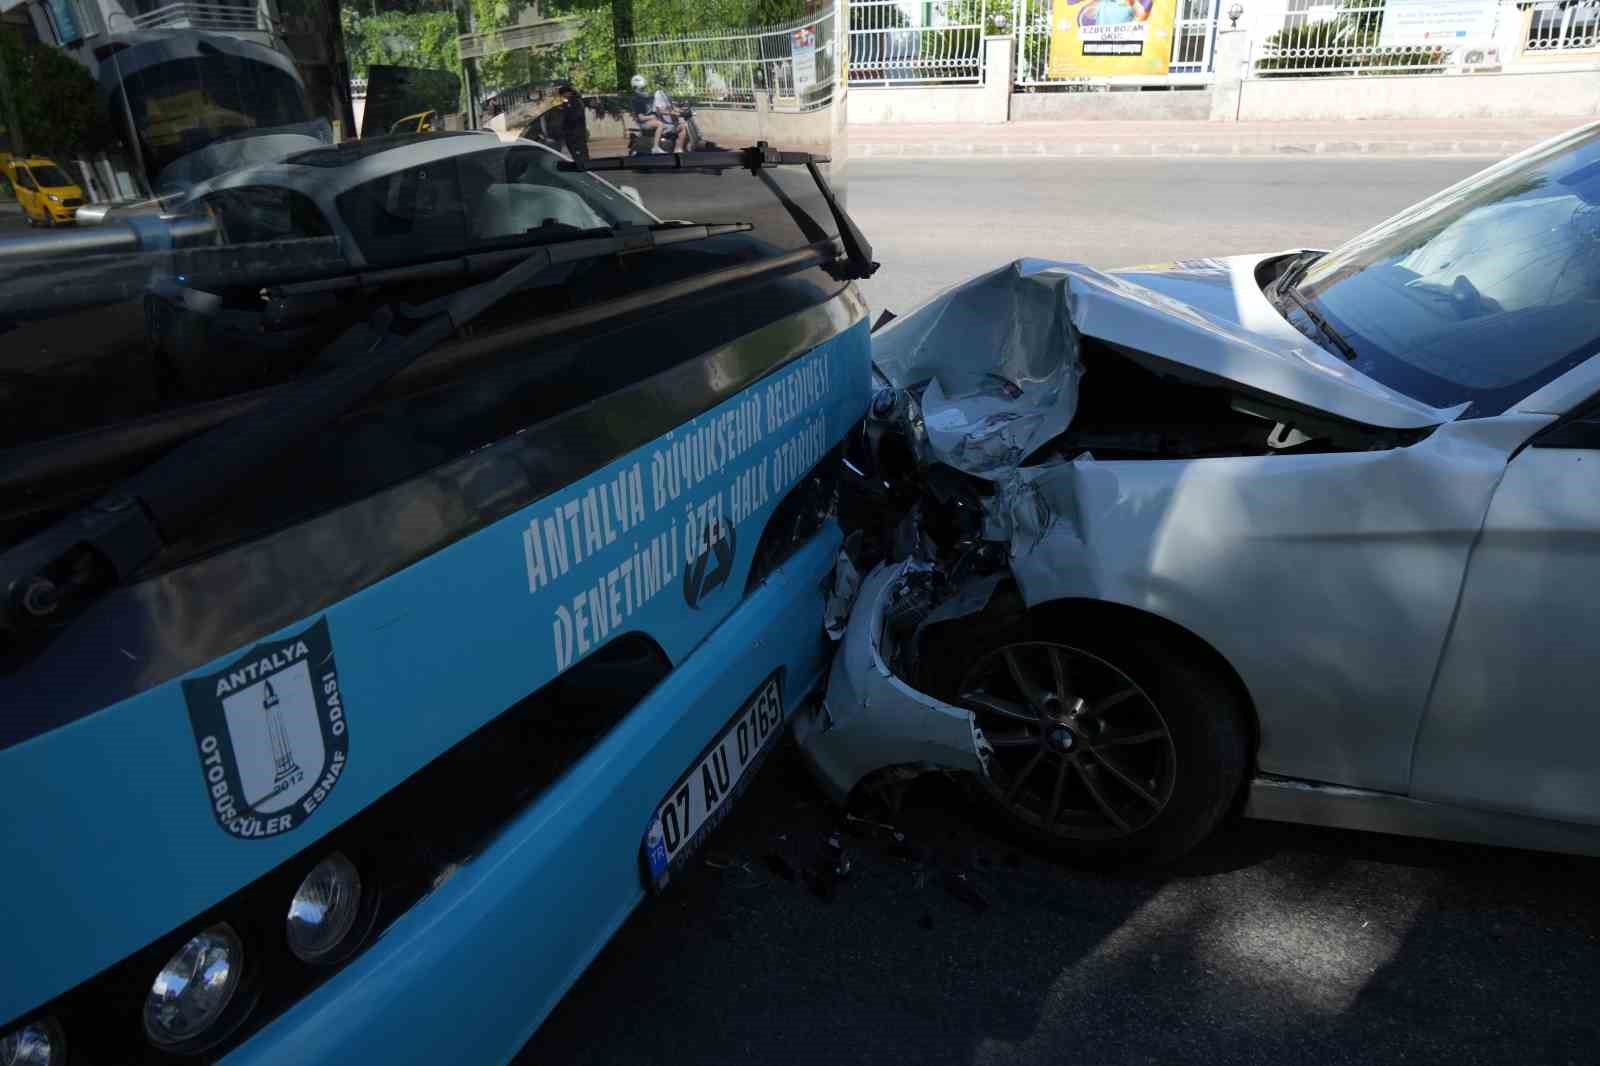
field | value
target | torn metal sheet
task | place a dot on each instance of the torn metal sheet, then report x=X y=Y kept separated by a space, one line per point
x=870 y=718
x=1026 y=320
x=846 y=583
x=1290 y=490
x=997 y=361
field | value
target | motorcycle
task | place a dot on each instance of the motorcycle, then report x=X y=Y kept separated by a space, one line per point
x=644 y=141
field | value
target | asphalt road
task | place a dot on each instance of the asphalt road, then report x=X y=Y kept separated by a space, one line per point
x=933 y=223
x=1273 y=944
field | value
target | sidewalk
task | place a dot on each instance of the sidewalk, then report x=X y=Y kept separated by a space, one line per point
x=1471 y=137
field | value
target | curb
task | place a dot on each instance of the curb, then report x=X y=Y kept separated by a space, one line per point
x=1153 y=149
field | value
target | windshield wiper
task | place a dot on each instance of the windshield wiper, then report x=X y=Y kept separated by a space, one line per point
x=1291 y=277
x=48 y=579
x=1321 y=323
x=857 y=250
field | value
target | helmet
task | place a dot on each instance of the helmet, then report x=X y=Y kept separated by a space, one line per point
x=637 y=81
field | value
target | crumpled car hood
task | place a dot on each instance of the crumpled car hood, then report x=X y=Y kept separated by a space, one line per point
x=1209 y=315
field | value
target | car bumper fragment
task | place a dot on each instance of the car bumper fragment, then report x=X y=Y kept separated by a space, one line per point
x=869 y=718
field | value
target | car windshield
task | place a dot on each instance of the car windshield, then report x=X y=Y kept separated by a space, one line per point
x=1480 y=294
x=478 y=199
x=48 y=176
x=179 y=107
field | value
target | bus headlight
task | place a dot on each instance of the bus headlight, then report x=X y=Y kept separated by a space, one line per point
x=53 y=198
x=194 y=987
x=324 y=909
x=39 y=1043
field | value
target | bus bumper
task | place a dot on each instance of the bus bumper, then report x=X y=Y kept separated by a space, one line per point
x=471 y=971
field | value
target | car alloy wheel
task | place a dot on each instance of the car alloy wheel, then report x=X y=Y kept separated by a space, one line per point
x=1080 y=751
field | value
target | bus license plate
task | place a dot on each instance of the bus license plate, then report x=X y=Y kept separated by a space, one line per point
x=703 y=796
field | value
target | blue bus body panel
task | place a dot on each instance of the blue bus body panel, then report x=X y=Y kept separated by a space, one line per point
x=109 y=824
x=468 y=973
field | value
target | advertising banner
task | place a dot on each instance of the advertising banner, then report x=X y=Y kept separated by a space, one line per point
x=1090 y=38
x=1437 y=23
x=803 y=49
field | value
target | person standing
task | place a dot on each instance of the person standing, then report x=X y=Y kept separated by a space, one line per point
x=573 y=125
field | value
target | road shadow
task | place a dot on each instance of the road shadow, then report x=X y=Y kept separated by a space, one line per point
x=1271 y=943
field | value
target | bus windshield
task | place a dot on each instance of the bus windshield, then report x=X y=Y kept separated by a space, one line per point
x=180 y=107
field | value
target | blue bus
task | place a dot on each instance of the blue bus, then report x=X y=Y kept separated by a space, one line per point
x=409 y=549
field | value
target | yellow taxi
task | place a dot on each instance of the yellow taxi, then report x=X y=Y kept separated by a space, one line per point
x=421 y=122
x=47 y=195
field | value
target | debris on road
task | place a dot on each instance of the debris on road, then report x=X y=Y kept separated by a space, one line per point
x=780 y=866
x=959 y=887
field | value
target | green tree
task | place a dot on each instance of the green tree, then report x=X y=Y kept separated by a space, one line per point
x=424 y=39
x=54 y=98
x=593 y=59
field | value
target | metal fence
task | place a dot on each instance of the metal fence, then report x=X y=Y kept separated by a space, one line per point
x=1340 y=38
x=1033 y=45
x=1194 y=32
x=188 y=15
x=1564 y=29
x=893 y=42
x=790 y=65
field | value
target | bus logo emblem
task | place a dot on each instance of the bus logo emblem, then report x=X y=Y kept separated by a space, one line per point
x=713 y=566
x=271 y=733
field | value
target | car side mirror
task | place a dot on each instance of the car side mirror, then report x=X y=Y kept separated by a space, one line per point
x=633 y=194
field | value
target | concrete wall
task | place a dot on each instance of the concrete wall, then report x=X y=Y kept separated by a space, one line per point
x=899 y=106
x=1186 y=105
x=811 y=131
x=1574 y=94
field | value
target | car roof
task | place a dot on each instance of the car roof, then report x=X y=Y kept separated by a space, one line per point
x=337 y=168
x=349 y=152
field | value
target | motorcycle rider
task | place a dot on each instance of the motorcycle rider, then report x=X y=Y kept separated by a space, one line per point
x=660 y=129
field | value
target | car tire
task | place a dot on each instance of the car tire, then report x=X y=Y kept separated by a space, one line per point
x=1136 y=774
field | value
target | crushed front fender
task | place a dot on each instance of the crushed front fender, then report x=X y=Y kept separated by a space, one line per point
x=870 y=719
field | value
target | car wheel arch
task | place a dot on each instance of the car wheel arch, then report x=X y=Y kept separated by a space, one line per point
x=1119 y=620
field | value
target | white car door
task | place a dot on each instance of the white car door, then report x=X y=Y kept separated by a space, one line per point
x=1513 y=721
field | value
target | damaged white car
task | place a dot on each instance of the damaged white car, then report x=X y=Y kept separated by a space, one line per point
x=1315 y=533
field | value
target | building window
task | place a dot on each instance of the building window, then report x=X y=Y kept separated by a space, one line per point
x=64 y=21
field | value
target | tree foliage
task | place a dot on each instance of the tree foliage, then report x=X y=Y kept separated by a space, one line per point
x=422 y=33
x=54 y=98
x=424 y=39
x=594 y=61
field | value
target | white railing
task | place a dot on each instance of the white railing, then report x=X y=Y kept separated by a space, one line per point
x=1566 y=29
x=790 y=65
x=535 y=35
x=905 y=42
x=1342 y=37
x=1194 y=29
x=193 y=15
